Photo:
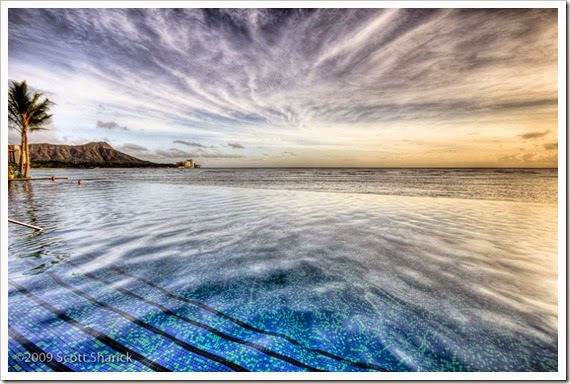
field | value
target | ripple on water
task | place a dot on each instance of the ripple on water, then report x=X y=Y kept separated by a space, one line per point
x=407 y=283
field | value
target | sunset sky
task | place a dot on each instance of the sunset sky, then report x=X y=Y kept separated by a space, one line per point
x=324 y=87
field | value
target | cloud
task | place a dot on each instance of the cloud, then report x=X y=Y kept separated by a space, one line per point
x=134 y=147
x=189 y=143
x=220 y=74
x=350 y=66
x=221 y=156
x=49 y=135
x=236 y=146
x=551 y=146
x=535 y=135
x=174 y=153
x=110 y=125
x=528 y=156
x=522 y=158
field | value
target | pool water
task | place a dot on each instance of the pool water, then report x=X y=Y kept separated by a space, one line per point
x=133 y=275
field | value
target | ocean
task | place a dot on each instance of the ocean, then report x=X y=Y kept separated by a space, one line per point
x=285 y=270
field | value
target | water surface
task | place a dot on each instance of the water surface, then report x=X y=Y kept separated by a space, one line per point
x=287 y=270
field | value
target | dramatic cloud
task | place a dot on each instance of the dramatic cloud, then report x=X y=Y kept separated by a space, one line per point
x=110 y=125
x=535 y=135
x=189 y=143
x=356 y=81
x=235 y=145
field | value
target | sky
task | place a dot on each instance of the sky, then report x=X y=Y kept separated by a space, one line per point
x=297 y=88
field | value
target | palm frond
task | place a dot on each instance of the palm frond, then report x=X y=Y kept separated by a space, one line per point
x=27 y=111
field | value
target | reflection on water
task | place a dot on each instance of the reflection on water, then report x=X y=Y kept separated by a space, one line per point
x=283 y=280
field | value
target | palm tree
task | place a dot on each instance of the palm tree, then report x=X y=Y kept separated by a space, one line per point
x=26 y=113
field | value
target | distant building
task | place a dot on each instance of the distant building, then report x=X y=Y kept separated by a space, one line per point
x=189 y=164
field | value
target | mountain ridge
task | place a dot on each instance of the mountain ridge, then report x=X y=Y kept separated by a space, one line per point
x=93 y=154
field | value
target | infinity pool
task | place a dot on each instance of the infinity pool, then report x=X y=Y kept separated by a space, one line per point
x=139 y=276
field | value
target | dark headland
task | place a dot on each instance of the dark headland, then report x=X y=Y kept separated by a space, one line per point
x=90 y=155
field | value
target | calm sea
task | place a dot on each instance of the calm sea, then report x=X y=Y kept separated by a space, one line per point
x=531 y=185
x=286 y=269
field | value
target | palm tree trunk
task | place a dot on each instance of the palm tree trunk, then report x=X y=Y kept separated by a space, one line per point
x=24 y=155
x=28 y=165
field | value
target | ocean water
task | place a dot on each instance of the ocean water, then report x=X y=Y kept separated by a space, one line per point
x=285 y=270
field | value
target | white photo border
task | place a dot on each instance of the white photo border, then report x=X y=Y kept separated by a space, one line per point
x=562 y=196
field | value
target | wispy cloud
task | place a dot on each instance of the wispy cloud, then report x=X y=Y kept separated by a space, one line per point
x=110 y=125
x=530 y=158
x=133 y=147
x=288 y=78
x=551 y=146
x=174 y=153
x=221 y=156
x=189 y=143
x=535 y=135
x=236 y=146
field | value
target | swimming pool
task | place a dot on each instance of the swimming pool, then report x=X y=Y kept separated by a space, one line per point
x=137 y=276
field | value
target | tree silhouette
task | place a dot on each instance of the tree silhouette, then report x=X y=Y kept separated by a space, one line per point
x=26 y=113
